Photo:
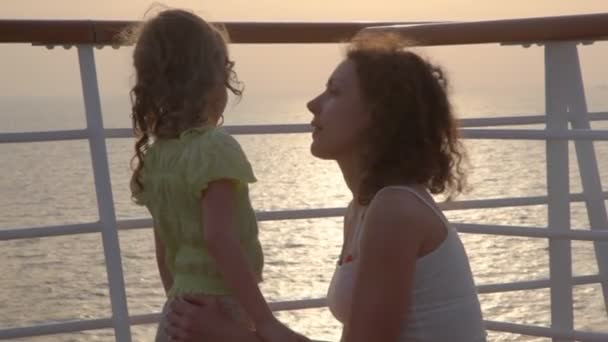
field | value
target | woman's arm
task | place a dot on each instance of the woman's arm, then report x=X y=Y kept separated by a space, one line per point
x=165 y=275
x=194 y=320
x=392 y=237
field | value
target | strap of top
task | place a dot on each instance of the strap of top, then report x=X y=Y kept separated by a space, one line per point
x=359 y=226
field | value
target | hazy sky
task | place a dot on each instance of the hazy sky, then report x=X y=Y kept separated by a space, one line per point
x=291 y=71
x=308 y=9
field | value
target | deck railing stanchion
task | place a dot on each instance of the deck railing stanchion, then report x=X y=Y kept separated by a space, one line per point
x=587 y=161
x=558 y=187
x=103 y=190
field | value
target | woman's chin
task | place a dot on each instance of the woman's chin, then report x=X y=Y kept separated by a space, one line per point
x=320 y=153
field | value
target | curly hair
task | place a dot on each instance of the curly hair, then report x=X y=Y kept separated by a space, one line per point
x=414 y=135
x=179 y=60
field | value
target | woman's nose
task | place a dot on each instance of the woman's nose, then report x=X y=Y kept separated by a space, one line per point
x=313 y=105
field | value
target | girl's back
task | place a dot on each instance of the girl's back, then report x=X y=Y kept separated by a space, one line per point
x=175 y=175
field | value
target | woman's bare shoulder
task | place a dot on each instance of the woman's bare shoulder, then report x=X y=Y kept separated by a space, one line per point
x=400 y=214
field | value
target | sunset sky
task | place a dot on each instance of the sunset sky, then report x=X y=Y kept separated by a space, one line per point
x=307 y=10
x=286 y=70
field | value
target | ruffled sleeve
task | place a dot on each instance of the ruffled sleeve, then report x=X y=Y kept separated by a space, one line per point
x=215 y=155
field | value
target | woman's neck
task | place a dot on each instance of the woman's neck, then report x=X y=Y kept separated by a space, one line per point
x=353 y=174
x=351 y=171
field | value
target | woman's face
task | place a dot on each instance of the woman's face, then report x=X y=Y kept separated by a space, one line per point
x=340 y=115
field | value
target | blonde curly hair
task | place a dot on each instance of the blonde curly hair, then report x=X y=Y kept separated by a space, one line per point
x=179 y=61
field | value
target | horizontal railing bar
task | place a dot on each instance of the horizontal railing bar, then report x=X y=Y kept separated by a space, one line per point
x=529 y=330
x=496 y=203
x=532 y=232
x=49 y=231
x=55 y=328
x=596 y=116
x=306 y=128
x=503 y=121
x=520 y=134
x=289 y=305
x=105 y=32
x=20 y=137
x=152 y=318
x=104 y=323
x=118 y=133
x=469 y=228
x=560 y=28
x=232 y=129
x=522 y=120
x=22 y=233
x=534 y=134
x=279 y=215
x=300 y=214
x=534 y=284
x=132 y=224
x=557 y=28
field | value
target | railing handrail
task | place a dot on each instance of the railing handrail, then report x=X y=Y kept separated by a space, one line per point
x=567 y=28
x=582 y=27
x=72 y=326
x=103 y=32
x=466 y=133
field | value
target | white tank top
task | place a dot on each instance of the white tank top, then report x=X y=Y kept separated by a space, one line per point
x=444 y=304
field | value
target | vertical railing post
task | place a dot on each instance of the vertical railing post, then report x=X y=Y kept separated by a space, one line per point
x=103 y=187
x=587 y=162
x=558 y=186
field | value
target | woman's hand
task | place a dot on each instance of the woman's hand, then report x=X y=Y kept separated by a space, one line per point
x=192 y=319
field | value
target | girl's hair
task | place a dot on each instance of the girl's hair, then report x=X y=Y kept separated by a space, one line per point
x=414 y=134
x=179 y=60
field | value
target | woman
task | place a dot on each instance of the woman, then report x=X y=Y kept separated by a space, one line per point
x=403 y=274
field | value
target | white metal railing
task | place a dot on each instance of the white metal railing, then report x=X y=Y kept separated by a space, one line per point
x=471 y=228
x=468 y=133
x=565 y=106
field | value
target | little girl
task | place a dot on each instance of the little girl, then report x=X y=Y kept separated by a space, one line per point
x=193 y=176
